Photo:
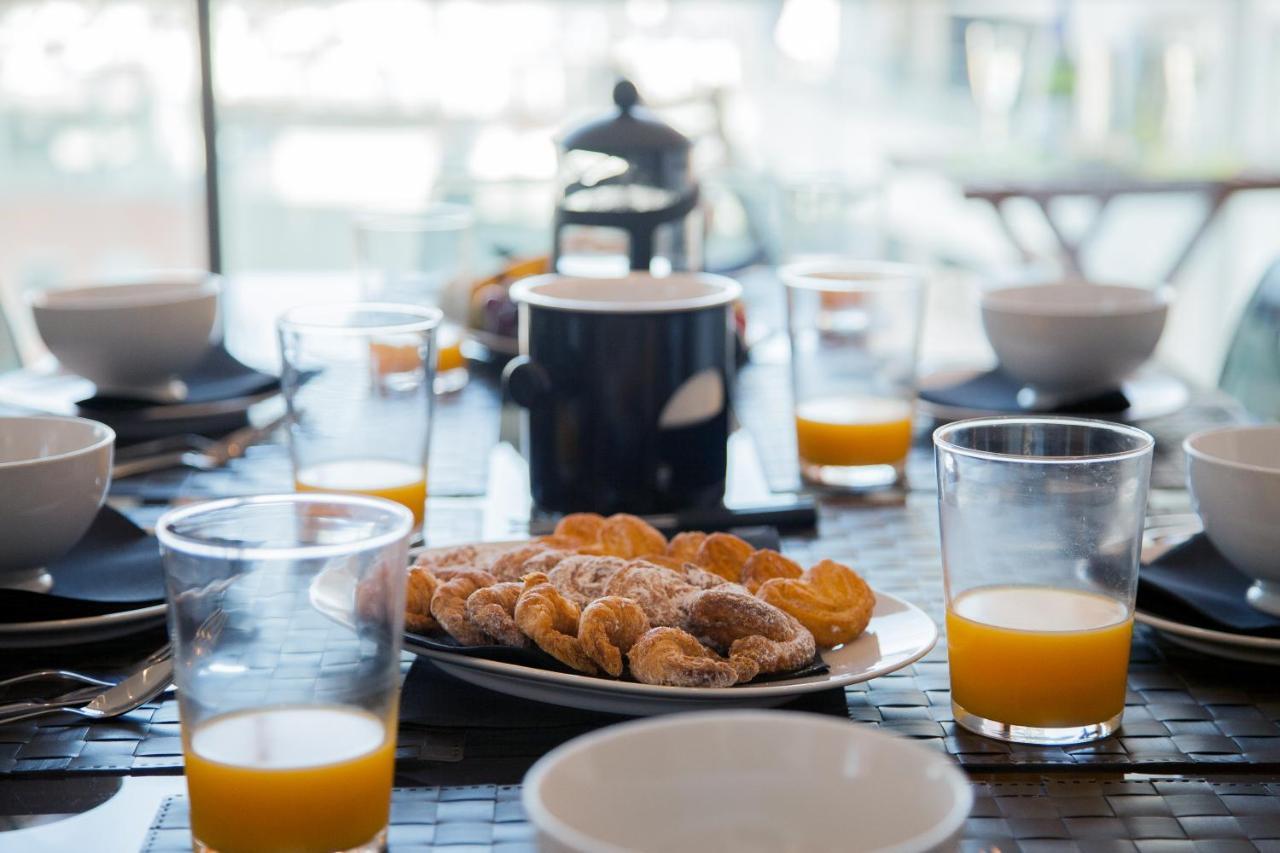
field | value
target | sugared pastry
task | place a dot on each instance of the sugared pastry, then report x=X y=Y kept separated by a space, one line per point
x=673 y=657
x=608 y=628
x=492 y=609
x=831 y=600
x=419 y=590
x=661 y=593
x=462 y=557
x=583 y=579
x=449 y=607
x=551 y=621
x=734 y=622
x=510 y=565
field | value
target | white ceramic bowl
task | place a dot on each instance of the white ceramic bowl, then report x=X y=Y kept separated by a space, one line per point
x=1074 y=336
x=744 y=781
x=1234 y=477
x=54 y=474
x=130 y=336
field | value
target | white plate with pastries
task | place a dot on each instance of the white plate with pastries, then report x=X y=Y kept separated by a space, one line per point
x=858 y=634
x=611 y=625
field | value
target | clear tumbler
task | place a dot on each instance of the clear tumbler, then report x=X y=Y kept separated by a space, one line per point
x=286 y=613
x=855 y=339
x=1041 y=523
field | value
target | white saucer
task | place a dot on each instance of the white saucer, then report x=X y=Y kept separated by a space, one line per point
x=1165 y=532
x=84 y=629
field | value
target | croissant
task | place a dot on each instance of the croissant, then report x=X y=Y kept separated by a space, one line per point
x=449 y=607
x=551 y=621
x=751 y=629
x=492 y=610
x=609 y=627
x=673 y=657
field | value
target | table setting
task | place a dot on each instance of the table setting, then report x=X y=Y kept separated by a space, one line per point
x=624 y=586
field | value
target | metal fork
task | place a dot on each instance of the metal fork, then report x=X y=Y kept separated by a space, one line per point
x=72 y=675
x=214 y=455
x=83 y=695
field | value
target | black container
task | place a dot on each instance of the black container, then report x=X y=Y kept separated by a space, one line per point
x=627 y=384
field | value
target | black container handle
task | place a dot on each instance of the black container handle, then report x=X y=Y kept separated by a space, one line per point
x=525 y=382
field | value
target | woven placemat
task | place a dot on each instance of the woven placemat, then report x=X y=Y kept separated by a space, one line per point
x=1031 y=814
x=1183 y=710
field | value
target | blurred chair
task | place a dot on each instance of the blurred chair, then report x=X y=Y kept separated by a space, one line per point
x=1251 y=371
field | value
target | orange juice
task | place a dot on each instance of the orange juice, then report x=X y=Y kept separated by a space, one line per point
x=299 y=778
x=402 y=358
x=401 y=482
x=395 y=358
x=1036 y=656
x=449 y=352
x=853 y=430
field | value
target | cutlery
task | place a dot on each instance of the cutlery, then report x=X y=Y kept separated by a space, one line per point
x=134 y=692
x=52 y=675
x=76 y=697
x=215 y=455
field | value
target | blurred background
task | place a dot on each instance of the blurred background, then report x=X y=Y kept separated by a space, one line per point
x=1138 y=140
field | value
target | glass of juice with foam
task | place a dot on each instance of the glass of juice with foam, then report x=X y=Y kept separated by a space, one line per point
x=855 y=336
x=285 y=614
x=358 y=381
x=421 y=257
x=1041 y=523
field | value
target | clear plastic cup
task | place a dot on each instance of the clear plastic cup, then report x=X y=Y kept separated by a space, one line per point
x=358 y=381
x=1041 y=523
x=421 y=258
x=855 y=339
x=286 y=614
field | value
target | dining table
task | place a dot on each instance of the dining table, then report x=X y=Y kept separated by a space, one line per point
x=1195 y=766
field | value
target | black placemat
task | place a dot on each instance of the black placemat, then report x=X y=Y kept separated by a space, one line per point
x=1194 y=584
x=116 y=566
x=1035 y=813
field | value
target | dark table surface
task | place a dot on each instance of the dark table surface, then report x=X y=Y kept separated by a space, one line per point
x=1196 y=765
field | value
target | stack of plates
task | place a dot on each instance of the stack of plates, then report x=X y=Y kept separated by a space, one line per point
x=1166 y=532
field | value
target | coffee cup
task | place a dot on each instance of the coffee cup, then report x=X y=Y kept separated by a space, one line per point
x=626 y=383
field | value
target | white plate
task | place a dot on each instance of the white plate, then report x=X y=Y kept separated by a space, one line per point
x=84 y=629
x=899 y=634
x=1163 y=533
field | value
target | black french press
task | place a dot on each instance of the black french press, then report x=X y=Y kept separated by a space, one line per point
x=628 y=199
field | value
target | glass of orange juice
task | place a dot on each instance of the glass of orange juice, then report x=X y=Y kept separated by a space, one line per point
x=358 y=381
x=422 y=258
x=1041 y=522
x=285 y=614
x=855 y=337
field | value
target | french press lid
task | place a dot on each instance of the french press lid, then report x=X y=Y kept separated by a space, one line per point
x=629 y=171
